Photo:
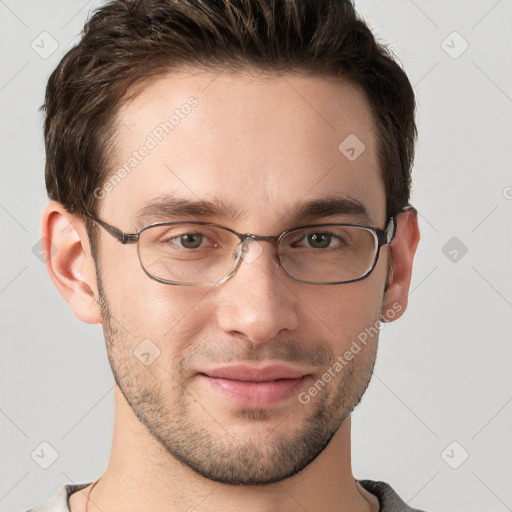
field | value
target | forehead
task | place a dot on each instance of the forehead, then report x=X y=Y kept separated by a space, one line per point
x=258 y=143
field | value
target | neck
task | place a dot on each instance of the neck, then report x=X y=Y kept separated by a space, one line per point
x=141 y=476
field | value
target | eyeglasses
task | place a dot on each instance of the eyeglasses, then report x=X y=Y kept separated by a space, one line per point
x=201 y=253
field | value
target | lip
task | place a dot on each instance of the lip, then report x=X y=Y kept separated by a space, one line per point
x=254 y=374
x=255 y=387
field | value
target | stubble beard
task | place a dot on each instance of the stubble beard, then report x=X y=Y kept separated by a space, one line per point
x=214 y=453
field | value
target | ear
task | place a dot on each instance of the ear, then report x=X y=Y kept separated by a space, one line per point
x=65 y=244
x=403 y=247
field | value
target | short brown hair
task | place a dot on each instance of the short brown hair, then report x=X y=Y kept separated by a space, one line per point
x=126 y=42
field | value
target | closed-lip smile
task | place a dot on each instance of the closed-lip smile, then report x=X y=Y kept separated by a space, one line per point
x=255 y=374
x=251 y=386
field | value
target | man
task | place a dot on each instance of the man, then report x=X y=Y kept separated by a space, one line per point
x=229 y=185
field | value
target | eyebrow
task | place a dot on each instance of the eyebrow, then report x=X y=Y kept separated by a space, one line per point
x=165 y=207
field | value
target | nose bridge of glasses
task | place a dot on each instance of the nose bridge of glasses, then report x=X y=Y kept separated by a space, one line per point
x=247 y=238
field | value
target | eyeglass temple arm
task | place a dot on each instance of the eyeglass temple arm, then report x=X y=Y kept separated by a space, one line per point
x=386 y=236
x=124 y=238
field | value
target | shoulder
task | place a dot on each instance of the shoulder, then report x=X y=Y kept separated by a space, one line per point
x=388 y=498
x=59 y=502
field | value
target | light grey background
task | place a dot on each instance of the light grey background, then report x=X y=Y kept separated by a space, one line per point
x=443 y=370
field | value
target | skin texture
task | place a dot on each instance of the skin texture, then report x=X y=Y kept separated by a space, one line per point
x=261 y=144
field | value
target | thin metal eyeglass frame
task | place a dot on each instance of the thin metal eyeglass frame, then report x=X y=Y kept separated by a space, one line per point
x=382 y=236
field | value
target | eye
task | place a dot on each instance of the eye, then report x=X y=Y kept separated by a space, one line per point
x=181 y=238
x=320 y=240
x=190 y=240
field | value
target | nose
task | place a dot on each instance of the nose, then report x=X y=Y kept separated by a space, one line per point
x=258 y=301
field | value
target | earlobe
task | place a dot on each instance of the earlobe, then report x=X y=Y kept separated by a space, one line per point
x=69 y=262
x=404 y=248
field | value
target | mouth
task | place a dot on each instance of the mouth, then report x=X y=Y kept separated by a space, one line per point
x=255 y=387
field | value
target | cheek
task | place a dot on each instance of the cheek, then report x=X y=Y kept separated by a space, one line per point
x=147 y=309
x=345 y=312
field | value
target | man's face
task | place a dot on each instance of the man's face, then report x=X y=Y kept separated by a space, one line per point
x=260 y=145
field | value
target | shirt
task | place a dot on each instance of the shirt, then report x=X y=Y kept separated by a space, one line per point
x=388 y=498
